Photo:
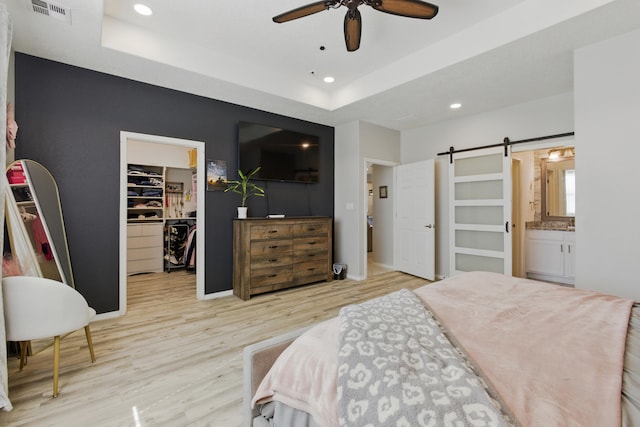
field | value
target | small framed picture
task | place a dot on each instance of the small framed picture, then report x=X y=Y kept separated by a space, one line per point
x=216 y=175
x=383 y=191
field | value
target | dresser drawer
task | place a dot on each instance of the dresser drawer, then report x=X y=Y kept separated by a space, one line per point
x=266 y=247
x=310 y=244
x=311 y=271
x=311 y=229
x=268 y=261
x=271 y=231
x=271 y=287
x=270 y=276
x=316 y=254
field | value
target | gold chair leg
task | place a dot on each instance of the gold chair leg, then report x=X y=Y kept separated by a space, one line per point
x=87 y=332
x=56 y=364
x=23 y=354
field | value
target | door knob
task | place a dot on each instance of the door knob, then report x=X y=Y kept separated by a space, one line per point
x=429 y=226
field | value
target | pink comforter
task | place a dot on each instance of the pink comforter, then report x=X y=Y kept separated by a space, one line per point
x=553 y=354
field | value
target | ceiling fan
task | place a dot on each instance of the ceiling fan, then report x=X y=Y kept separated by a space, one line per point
x=353 y=20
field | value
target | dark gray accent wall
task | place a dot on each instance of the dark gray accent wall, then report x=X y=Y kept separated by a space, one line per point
x=70 y=120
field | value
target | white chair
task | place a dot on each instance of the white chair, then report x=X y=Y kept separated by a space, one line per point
x=36 y=308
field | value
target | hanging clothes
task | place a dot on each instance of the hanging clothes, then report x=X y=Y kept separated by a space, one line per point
x=42 y=243
x=190 y=258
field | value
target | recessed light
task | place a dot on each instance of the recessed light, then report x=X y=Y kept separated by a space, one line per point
x=455 y=105
x=329 y=79
x=143 y=9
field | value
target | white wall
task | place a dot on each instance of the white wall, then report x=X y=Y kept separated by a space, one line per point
x=356 y=142
x=346 y=195
x=546 y=116
x=607 y=117
x=150 y=153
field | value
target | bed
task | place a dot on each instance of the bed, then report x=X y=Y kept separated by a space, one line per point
x=475 y=349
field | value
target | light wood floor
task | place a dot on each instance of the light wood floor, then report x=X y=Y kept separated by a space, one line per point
x=172 y=360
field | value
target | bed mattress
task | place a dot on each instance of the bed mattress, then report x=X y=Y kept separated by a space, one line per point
x=630 y=383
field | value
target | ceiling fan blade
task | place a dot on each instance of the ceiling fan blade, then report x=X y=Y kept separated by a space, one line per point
x=409 y=8
x=352 y=29
x=302 y=11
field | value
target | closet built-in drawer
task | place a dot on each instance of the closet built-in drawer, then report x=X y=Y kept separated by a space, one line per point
x=271 y=231
x=144 y=248
x=144 y=265
x=137 y=230
x=144 y=242
x=144 y=253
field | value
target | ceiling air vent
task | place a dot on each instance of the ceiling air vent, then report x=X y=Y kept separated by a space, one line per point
x=52 y=10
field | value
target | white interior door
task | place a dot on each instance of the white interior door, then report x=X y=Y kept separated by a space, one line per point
x=480 y=211
x=415 y=219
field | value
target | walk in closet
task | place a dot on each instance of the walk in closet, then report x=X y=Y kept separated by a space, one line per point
x=161 y=208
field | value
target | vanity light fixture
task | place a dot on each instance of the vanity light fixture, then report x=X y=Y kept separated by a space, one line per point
x=553 y=155
x=455 y=105
x=329 y=79
x=561 y=153
x=142 y=9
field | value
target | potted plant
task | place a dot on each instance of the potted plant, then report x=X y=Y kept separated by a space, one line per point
x=245 y=188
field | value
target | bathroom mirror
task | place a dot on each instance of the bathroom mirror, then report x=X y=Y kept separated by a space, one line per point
x=40 y=222
x=558 y=198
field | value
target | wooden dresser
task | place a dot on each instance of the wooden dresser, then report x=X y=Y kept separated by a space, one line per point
x=273 y=254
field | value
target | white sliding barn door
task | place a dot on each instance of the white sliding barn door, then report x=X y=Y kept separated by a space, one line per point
x=415 y=219
x=480 y=211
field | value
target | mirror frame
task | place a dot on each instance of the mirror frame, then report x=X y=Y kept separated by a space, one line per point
x=46 y=197
x=543 y=197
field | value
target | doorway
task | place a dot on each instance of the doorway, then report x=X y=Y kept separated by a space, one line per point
x=527 y=194
x=378 y=220
x=127 y=140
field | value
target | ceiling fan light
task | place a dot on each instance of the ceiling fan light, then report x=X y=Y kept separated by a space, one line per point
x=142 y=9
x=455 y=105
x=329 y=79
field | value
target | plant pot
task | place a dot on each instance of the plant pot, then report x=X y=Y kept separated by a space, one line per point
x=242 y=212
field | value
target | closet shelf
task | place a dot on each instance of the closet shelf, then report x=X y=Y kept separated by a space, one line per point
x=145 y=184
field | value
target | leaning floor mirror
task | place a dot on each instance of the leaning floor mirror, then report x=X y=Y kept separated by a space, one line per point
x=35 y=236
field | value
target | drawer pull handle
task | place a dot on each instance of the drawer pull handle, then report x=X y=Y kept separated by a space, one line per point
x=311 y=255
x=273 y=260
x=273 y=231
x=273 y=275
x=312 y=243
x=273 y=247
x=310 y=269
x=311 y=229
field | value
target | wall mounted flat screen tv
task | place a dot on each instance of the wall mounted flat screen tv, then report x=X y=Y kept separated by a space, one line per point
x=282 y=154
